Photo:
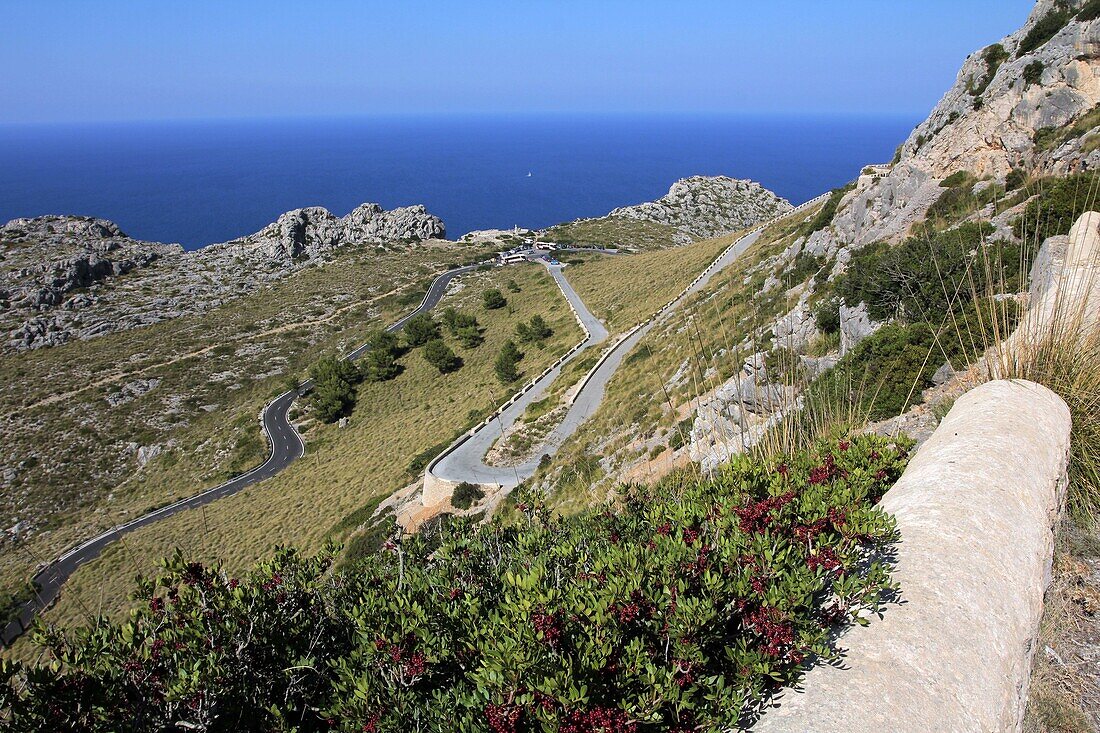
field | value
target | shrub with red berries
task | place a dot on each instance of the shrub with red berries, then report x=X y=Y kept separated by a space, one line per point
x=680 y=611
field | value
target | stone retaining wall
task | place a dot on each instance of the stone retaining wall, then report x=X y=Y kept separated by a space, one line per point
x=976 y=510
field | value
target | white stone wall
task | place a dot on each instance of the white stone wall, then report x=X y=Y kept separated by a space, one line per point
x=976 y=510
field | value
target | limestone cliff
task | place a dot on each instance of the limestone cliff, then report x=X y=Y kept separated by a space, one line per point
x=706 y=207
x=1028 y=102
x=61 y=277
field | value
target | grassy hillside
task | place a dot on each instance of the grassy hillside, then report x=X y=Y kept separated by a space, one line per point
x=626 y=289
x=615 y=231
x=344 y=468
x=75 y=415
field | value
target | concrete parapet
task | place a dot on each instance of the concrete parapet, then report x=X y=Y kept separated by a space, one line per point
x=976 y=510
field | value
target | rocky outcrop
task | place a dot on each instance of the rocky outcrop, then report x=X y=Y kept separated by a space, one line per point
x=1009 y=108
x=706 y=207
x=975 y=510
x=61 y=276
x=313 y=232
x=50 y=256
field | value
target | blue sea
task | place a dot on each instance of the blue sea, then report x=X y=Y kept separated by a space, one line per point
x=202 y=182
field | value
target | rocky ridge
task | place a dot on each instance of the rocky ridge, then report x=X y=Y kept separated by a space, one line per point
x=704 y=207
x=1004 y=112
x=72 y=277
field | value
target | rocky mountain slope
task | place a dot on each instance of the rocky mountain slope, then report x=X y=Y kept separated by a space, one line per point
x=1028 y=102
x=69 y=277
x=695 y=208
x=705 y=207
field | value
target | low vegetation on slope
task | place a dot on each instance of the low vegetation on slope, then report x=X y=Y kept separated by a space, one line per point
x=395 y=427
x=681 y=611
x=616 y=232
x=96 y=432
x=623 y=291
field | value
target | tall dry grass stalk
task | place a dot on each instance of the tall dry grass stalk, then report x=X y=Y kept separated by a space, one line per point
x=1057 y=344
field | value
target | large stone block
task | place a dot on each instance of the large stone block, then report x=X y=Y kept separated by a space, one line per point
x=976 y=510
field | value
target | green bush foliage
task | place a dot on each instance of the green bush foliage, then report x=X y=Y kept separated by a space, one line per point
x=465 y=494
x=439 y=355
x=681 y=612
x=536 y=331
x=681 y=433
x=926 y=277
x=507 y=363
x=1090 y=11
x=827 y=315
x=493 y=299
x=1059 y=203
x=883 y=375
x=469 y=337
x=334 y=383
x=993 y=56
x=1045 y=28
x=380 y=362
x=420 y=329
x=1033 y=73
x=824 y=216
x=1016 y=178
x=1048 y=138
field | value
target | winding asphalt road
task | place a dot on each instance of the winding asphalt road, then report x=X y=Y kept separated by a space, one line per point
x=286 y=446
x=465 y=460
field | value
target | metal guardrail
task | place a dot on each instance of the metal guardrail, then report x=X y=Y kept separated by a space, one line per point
x=611 y=350
x=461 y=440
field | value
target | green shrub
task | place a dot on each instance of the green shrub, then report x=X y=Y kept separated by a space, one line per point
x=1045 y=28
x=420 y=329
x=333 y=394
x=882 y=376
x=825 y=214
x=1059 y=203
x=549 y=625
x=466 y=495
x=455 y=321
x=469 y=337
x=925 y=277
x=439 y=355
x=1048 y=138
x=381 y=360
x=493 y=299
x=506 y=365
x=958 y=178
x=370 y=539
x=993 y=56
x=1016 y=178
x=804 y=266
x=536 y=331
x=827 y=315
x=681 y=433
x=1090 y=11
x=1033 y=73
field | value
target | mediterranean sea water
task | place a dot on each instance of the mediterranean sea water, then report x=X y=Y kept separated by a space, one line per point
x=210 y=181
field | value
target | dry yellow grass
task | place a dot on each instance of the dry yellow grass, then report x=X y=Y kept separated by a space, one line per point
x=624 y=290
x=76 y=467
x=343 y=467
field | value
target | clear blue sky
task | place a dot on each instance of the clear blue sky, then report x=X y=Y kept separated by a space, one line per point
x=83 y=60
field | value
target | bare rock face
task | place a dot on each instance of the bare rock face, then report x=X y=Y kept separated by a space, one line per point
x=1004 y=101
x=708 y=207
x=313 y=232
x=61 y=277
